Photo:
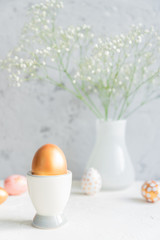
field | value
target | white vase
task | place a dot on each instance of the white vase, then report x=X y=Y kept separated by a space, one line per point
x=110 y=155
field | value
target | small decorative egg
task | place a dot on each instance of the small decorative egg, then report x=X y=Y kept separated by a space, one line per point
x=151 y=191
x=91 y=182
x=49 y=160
x=15 y=184
x=3 y=195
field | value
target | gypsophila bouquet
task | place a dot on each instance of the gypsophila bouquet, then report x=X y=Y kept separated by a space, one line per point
x=123 y=71
x=113 y=76
x=45 y=48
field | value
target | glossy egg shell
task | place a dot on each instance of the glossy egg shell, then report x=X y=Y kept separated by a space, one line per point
x=151 y=191
x=49 y=160
x=15 y=184
x=91 y=182
x=3 y=195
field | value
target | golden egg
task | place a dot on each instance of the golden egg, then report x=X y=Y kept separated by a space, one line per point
x=49 y=160
x=3 y=195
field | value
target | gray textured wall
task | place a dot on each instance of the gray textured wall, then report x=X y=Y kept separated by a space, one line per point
x=36 y=114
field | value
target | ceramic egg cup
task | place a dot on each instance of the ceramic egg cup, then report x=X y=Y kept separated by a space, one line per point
x=49 y=195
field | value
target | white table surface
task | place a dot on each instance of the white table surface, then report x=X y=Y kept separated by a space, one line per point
x=120 y=215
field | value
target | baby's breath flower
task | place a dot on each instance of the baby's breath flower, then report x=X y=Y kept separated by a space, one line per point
x=115 y=69
x=123 y=65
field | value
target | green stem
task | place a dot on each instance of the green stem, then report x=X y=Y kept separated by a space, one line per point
x=142 y=83
x=139 y=106
x=134 y=92
x=92 y=103
x=91 y=106
x=61 y=86
x=125 y=102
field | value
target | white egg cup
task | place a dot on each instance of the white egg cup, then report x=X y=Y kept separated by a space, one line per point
x=49 y=195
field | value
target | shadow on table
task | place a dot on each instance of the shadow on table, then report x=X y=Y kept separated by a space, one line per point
x=14 y=224
x=136 y=200
x=77 y=193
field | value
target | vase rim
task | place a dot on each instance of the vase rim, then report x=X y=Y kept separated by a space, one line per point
x=112 y=121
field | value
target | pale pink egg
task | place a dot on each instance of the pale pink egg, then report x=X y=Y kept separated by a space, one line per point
x=15 y=184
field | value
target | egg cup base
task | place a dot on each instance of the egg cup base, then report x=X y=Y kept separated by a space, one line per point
x=48 y=222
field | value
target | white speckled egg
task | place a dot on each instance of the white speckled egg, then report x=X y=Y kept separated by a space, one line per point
x=91 y=181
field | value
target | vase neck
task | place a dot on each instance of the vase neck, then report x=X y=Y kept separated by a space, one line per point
x=114 y=128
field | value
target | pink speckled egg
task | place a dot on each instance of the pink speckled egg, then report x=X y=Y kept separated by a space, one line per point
x=15 y=184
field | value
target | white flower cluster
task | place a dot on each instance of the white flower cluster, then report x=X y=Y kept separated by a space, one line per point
x=115 y=69
x=23 y=68
x=118 y=69
x=42 y=19
x=43 y=45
